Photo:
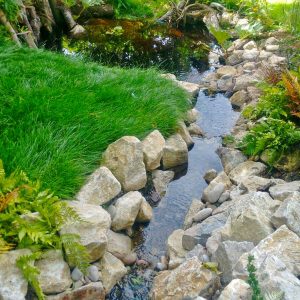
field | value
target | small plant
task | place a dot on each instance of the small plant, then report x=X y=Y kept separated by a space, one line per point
x=272 y=75
x=222 y=37
x=252 y=279
x=228 y=139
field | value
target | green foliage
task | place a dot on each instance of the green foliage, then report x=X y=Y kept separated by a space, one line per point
x=26 y=264
x=252 y=280
x=222 y=37
x=64 y=113
x=276 y=136
x=11 y=8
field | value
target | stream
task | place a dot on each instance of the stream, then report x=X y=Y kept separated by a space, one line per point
x=183 y=54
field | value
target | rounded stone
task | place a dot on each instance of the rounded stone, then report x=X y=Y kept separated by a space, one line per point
x=93 y=273
x=76 y=274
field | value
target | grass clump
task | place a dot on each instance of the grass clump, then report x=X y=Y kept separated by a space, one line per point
x=58 y=114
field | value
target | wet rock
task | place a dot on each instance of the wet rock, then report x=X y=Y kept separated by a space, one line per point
x=213 y=192
x=192 y=115
x=227 y=256
x=227 y=71
x=199 y=233
x=230 y=158
x=118 y=243
x=239 y=99
x=13 y=285
x=202 y=215
x=175 y=250
x=112 y=270
x=54 y=274
x=191 y=88
x=195 y=207
x=235 y=58
x=125 y=159
x=153 y=146
x=127 y=209
x=175 y=152
x=93 y=273
x=247 y=168
x=91 y=291
x=195 y=130
x=161 y=179
x=184 y=133
x=250 y=46
x=236 y=289
x=101 y=187
x=243 y=81
x=93 y=231
x=288 y=214
x=145 y=213
x=284 y=190
x=251 y=55
x=283 y=243
x=190 y=279
x=76 y=274
x=210 y=175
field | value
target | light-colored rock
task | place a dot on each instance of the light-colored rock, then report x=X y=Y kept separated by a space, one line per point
x=13 y=285
x=175 y=152
x=247 y=168
x=189 y=280
x=213 y=192
x=235 y=58
x=224 y=197
x=227 y=256
x=284 y=190
x=175 y=251
x=225 y=83
x=153 y=146
x=283 y=243
x=199 y=233
x=161 y=179
x=251 y=55
x=169 y=76
x=249 y=66
x=93 y=231
x=101 y=187
x=55 y=276
x=237 y=45
x=244 y=81
x=250 y=46
x=184 y=133
x=277 y=60
x=76 y=274
x=127 y=209
x=195 y=130
x=255 y=183
x=271 y=41
x=272 y=48
x=77 y=31
x=191 y=88
x=202 y=215
x=125 y=159
x=210 y=175
x=223 y=179
x=254 y=92
x=145 y=213
x=93 y=273
x=239 y=99
x=195 y=207
x=118 y=243
x=230 y=158
x=200 y=252
x=243 y=24
x=226 y=70
x=112 y=270
x=288 y=214
x=192 y=115
x=264 y=55
x=214 y=241
x=90 y=291
x=237 y=289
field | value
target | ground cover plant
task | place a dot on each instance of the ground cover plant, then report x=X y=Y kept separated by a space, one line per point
x=58 y=114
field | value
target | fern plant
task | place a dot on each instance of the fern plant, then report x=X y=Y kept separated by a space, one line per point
x=252 y=279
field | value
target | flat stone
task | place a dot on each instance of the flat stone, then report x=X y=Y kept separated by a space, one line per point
x=118 y=243
x=230 y=158
x=272 y=48
x=55 y=276
x=101 y=187
x=284 y=190
x=255 y=183
x=161 y=179
x=13 y=285
x=153 y=146
x=145 y=213
x=125 y=159
x=93 y=231
x=175 y=152
x=237 y=289
x=277 y=60
x=196 y=206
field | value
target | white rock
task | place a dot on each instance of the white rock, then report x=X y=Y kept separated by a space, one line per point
x=230 y=158
x=161 y=179
x=284 y=190
x=125 y=159
x=244 y=81
x=213 y=192
x=271 y=41
x=153 y=146
x=101 y=187
x=276 y=60
x=265 y=54
x=272 y=48
x=237 y=289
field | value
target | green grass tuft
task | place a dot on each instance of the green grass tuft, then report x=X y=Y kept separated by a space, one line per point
x=58 y=114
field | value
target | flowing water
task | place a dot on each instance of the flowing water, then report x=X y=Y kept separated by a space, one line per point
x=128 y=44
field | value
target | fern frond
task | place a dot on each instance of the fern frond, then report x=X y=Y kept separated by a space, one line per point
x=4 y=246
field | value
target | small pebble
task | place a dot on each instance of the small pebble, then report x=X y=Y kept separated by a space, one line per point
x=76 y=274
x=93 y=273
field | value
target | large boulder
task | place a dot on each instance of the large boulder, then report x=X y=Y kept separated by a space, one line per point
x=189 y=280
x=54 y=274
x=251 y=55
x=176 y=252
x=101 y=187
x=230 y=158
x=126 y=211
x=161 y=179
x=112 y=270
x=284 y=190
x=288 y=214
x=237 y=289
x=13 y=285
x=118 y=244
x=93 y=230
x=175 y=152
x=125 y=159
x=283 y=243
x=153 y=146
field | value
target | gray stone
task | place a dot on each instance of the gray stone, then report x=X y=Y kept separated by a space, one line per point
x=118 y=244
x=76 y=274
x=184 y=133
x=93 y=231
x=210 y=175
x=284 y=190
x=13 y=285
x=145 y=213
x=254 y=93
x=213 y=192
x=127 y=209
x=225 y=83
x=251 y=55
x=226 y=70
x=153 y=146
x=93 y=273
x=277 y=60
x=271 y=41
x=224 y=197
x=237 y=289
x=214 y=241
x=255 y=183
x=223 y=179
x=250 y=46
x=237 y=45
x=235 y=58
x=230 y=158
x=161 y=179
x=263 y=55
x=249 y=66
x=175 y=152
x=195 y=207
x=125 y=159
x=244 y=81
x=54 y=274
x=239 y=98
x=272 y=48
x=199 y=251
x=202 y=215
